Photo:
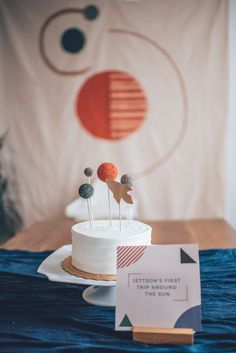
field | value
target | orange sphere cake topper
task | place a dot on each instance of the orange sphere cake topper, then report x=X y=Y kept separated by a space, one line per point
x=107 y=171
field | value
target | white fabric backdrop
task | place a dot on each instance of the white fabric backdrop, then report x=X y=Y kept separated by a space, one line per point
x=176 y=51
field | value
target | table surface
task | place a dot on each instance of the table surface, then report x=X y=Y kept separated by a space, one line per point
x=38 y=315
x=208 y=233
x=42 y=316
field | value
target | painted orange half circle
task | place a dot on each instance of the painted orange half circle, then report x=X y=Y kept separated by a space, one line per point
x=111 y=105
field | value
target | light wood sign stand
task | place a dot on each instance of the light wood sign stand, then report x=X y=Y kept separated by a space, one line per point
x=158 y=335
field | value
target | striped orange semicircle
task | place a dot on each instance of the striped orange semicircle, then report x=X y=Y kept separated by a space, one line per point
x=111 y=105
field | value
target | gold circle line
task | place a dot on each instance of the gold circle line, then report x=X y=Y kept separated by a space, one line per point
x=181 y=135
x=169 y=58
x=42 y=44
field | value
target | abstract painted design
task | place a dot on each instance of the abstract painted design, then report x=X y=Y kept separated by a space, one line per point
x=111 y=105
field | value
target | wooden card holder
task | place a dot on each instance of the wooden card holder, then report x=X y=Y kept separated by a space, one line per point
x=158 y=335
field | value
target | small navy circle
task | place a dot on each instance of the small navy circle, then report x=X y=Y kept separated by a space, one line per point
x=91 y=12
x=72 y=40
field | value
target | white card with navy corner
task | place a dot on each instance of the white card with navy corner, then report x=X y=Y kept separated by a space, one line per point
x=158 y=286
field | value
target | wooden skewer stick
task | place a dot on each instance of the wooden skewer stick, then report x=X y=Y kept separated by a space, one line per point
x=88 y=172
x=127 y=179
x=109 y=204
x=107 y=171
x=90 y=203
x=89 y=212
x=120 y=214
x=129 y=214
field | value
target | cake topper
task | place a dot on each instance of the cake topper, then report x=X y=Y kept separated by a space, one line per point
x=88 y=172
x=86 y=191
x=107 y=171
x=128 y=180
x=120 y=192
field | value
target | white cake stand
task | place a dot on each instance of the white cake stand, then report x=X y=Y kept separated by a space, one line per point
x=101 y=293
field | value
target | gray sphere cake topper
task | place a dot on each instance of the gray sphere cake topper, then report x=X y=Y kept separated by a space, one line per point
x=127 y=179
x=86 y=191
x=88 y=172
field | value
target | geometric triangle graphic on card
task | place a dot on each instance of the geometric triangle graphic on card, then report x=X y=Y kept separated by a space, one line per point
x=125 y=322
x=185 y=258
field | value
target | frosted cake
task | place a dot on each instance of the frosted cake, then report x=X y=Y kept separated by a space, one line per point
x=94 y=249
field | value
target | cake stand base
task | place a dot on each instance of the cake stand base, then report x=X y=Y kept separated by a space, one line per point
x=100 y=295
x=101 y=292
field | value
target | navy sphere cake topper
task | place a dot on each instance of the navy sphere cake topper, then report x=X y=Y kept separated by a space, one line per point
x=86 y=191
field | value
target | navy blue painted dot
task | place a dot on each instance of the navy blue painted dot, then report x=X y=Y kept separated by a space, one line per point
x=91 y=12
x=72 y=40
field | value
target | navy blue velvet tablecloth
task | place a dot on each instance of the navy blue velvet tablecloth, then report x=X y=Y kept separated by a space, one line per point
x=41 y=316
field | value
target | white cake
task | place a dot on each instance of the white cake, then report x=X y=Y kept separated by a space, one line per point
x=94 y=249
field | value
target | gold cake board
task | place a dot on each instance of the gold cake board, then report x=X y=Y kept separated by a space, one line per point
x=68 y=267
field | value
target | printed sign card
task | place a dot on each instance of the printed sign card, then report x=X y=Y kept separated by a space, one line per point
x=158 y=286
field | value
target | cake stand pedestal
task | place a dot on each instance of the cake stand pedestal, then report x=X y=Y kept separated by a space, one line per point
x=101 y=293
